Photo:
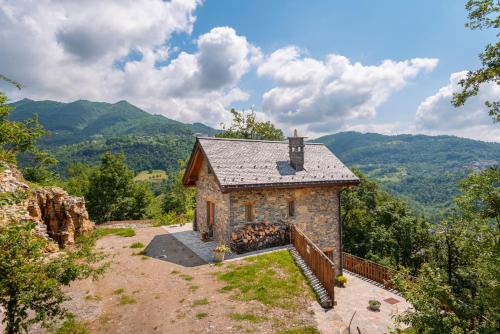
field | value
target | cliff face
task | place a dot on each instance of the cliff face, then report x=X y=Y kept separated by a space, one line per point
x=58 y=216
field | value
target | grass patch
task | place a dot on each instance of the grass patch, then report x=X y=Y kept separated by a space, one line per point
x=126 y=300
x=141 y=252
x=186 y=277
x=119 y=291
x=247 y=317
x=201 y=315
x=200 y=302
x=155 y=175
x=104 y=320
x=193 y=287
x=272 y=279
x=301 y=330
x=72 y=326
x=118 y=231
x=137 y=245
x=93 y=297
x=175 y=272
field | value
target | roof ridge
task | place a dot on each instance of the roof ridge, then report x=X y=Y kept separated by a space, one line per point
x=254 y=140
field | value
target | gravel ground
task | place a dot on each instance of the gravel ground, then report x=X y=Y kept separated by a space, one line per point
x=161 y=292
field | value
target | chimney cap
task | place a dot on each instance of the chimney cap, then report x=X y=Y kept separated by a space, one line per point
x=295 y=134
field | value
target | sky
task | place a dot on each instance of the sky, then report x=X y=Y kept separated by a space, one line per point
x=318 y=66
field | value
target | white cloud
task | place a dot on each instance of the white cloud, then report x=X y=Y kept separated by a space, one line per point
x=320 y=96
x=436 y=114
x=66 y=50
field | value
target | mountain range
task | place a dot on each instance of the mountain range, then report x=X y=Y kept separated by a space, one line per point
x=81 y=131
x=423 y=169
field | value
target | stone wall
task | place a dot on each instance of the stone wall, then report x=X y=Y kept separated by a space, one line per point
x=316 y=212
x=208 y=190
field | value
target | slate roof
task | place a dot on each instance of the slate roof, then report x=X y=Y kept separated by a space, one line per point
x=239 y=163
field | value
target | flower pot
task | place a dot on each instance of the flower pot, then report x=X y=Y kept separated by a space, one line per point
x=374 y=306
x=219 y=256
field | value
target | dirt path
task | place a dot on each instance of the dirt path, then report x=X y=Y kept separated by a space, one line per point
x=141 y=294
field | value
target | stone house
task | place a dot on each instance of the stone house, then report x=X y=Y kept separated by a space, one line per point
x=249 y=191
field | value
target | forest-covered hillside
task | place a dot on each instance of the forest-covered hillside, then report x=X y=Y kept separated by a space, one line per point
x=424 y=169
x=81 y=131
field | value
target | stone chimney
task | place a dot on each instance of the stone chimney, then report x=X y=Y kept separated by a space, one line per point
x=296 y=151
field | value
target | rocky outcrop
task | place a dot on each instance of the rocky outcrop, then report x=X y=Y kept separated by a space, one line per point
x=65 y=216
x=59 y=216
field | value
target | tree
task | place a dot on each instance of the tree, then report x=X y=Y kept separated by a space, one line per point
x=381 y=227
x=246 y=126
x=457 y=290
x=112 y=193
x=399 y=235
x=21 y=137
x=31 y=282
x=17 y=137
x=78 y=178
x=483 y=14
x=177 y=198
x=480 y=194
x=38 y=169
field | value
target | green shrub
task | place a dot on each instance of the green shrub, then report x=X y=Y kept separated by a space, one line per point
x=10 y=198
x=72 y=326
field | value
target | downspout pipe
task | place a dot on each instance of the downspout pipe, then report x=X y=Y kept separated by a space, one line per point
x=340 y=235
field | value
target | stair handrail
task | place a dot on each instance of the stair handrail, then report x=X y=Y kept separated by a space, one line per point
x=312 y=243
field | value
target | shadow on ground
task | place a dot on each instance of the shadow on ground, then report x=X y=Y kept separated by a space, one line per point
x=167 y=248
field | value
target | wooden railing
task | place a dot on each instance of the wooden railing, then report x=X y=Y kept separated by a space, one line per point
x=318 y=262
x=368 y=269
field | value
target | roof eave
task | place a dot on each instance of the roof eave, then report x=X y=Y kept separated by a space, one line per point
x=288 y=185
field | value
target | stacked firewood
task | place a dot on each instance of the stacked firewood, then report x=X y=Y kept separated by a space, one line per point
x=253 y=236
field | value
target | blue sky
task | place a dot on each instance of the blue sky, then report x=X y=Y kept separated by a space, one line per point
x=319 y=66
x=365 y=31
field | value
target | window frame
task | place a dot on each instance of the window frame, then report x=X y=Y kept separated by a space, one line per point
x=291 y=208
x=249 y=212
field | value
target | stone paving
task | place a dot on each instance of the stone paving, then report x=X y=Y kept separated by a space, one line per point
x=354 y=298
x=204 y=249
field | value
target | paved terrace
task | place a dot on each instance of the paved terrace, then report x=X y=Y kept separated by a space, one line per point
x=353 y=298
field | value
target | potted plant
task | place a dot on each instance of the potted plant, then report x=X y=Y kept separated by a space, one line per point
x=220 y=251
x=341 y=280
x=374 y=305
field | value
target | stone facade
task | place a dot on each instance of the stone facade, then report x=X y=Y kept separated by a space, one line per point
x=207 y=190
x=316 y=210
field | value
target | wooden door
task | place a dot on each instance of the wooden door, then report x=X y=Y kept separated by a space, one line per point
x=210 y=218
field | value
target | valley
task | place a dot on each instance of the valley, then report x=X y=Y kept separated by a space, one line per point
x=425 y=170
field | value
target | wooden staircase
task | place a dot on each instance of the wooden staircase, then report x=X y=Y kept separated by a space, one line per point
x=324 y=298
